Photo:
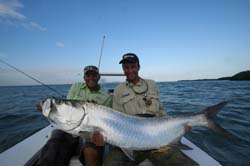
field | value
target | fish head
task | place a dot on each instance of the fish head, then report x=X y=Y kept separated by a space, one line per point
x=58 y=106
x=63 y=114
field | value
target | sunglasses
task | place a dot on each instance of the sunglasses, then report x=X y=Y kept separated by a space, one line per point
x=91 y=74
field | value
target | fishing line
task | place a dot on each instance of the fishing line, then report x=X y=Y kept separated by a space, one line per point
x=34 y=79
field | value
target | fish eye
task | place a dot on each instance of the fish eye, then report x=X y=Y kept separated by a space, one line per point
x=69 y=103
x=51 y=105
x=58 y=101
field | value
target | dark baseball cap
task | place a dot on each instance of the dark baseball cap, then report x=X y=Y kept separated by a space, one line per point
x=129 y=57
x=91 y=68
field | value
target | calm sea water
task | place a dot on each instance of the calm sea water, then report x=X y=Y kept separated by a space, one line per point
x=19 y=118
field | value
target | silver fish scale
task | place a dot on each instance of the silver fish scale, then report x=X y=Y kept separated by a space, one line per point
x=135 y=132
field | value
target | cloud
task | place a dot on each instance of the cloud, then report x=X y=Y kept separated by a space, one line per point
x=9 y=15
x=33 y=26
x=8 y=9
x=60 y=44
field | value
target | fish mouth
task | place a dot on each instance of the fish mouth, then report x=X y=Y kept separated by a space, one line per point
x=46 y=107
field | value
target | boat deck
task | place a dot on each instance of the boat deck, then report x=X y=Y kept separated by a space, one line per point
x=26 y=152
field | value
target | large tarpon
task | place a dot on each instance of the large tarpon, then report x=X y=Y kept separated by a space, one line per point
x=122 y=130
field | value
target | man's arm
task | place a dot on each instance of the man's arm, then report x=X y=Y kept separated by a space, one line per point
x=72 y=92
x=97 y=138
x=108 y=101
x=161 y=109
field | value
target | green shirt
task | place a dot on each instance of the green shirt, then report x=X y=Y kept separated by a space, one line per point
x=80 y=91
x=140 y=98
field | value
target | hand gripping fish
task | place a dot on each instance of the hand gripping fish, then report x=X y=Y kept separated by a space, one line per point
x=122 y=130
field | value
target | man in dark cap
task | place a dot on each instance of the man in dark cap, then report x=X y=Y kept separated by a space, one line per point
x=92 y=152
x=136 y=95
x=139 y=97
x=62 y=146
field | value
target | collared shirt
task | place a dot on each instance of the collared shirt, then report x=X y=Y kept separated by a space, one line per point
x=140 y=98
x=80 y=91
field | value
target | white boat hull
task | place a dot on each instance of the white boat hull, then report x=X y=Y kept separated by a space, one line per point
x=24 y=152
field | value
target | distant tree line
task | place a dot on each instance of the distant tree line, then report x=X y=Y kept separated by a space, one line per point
x=244 y=75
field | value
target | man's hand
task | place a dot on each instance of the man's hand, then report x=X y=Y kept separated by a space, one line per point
x=39 y=107
x=187 y=128
x=97 y=138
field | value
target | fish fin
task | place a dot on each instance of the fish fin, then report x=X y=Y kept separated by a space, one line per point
x=178 y=144
x=129 y=153
x=210 y=112
x=218 y=129
x=231 y=137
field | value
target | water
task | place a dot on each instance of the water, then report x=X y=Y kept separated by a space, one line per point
x=19 y=118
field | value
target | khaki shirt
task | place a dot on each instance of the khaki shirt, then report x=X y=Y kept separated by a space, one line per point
x=141 y=98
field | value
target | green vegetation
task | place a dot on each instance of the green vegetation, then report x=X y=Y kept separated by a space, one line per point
x=241 y=76
x=244 y=75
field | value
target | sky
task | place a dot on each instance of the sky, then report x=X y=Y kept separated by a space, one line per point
x=52 y=40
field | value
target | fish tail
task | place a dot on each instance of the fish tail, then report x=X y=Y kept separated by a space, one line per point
x=210 y=113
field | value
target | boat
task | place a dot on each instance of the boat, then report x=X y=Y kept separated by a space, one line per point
x=27 y=151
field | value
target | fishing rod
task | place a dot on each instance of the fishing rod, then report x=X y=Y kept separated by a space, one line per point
x=34 y=79
x=100 y=58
